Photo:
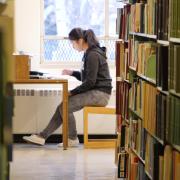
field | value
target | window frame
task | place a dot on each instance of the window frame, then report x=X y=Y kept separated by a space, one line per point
x=44 y=63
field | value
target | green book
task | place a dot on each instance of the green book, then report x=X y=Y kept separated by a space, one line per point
x=178 y=28
x=150 y=70
x=175 y=19
x=172 y=120
x=151 y=67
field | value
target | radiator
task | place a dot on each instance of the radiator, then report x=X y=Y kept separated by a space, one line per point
x=34 y=108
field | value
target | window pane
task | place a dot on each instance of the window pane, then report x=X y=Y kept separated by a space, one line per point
x=60 y=16
x=60 y=50
x=113 y=5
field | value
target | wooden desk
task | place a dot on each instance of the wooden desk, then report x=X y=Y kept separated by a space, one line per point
x=64 y=82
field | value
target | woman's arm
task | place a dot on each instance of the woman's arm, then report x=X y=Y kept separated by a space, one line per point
x=92 y=65
x=76 y=74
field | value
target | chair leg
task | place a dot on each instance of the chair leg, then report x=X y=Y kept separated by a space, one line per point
x=85 y=127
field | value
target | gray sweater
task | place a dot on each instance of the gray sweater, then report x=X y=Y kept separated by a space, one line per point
x=95 y=72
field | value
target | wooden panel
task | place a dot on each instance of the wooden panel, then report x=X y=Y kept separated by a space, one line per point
x=22 y=67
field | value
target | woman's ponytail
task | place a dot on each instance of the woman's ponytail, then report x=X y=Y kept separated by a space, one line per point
x=90 y=38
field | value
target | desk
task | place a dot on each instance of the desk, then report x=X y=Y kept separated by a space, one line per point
x=64 y=82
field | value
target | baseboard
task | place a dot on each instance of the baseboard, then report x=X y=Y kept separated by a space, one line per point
x=55 y=138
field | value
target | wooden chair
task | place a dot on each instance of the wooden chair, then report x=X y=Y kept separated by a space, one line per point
x=96 y=143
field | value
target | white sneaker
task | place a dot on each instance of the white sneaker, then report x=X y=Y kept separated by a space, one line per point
x=34 y=139
x=71 y=143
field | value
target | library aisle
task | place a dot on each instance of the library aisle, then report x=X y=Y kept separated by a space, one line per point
x=53 y=163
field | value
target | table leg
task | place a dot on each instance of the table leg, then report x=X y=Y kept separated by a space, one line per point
x=65 y=116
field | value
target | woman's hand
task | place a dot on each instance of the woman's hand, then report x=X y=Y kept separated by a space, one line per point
x=67 y=72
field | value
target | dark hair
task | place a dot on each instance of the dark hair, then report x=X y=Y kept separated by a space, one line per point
x=88 y=36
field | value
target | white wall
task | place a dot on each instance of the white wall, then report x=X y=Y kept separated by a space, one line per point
x=27 y=28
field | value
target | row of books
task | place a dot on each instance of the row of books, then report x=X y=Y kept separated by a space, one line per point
x=143 y=17
x=158 y=162
x=153 y=151
x=122 y=94
x=138 y=137
x=162 y=19
x=122 y=25
x=171 y=163
x=150 y=60
x=174 y=18
x=174 y=66
x=173 y=122
x=142 y=57
x=149 y=17
x=122 y=60
x=137 y=169
x=164 y=161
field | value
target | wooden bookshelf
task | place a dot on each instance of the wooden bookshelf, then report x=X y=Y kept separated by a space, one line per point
x=152 y=81
x=156 y=138
x=156 y=99
x=149 y=176
x=151 y=36
x=136 y=153
x=173 y=92
x=162 y=42
x=136 y=113
x=175 y=40
x=164 y=92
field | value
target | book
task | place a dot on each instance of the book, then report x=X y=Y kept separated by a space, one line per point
x=122 y=27
x=176 y=68
x=161 y=115
x=122 y=164
x=168 y=163
x=176 y=165
x=143 y=58
x=173 y=123
x=171 y=67
x=161 y=167
x=162 y=67
x=174 y=20
x=133 y=166
x=162 y=20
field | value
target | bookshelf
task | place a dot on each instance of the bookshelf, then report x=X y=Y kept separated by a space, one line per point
x=6 y=90
x=148 y=93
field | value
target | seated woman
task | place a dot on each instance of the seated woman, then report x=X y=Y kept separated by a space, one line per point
x=95 y=89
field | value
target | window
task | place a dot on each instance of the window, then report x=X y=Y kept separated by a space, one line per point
x=60 y=16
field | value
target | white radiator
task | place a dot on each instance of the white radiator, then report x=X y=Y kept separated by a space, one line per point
x=34 y=106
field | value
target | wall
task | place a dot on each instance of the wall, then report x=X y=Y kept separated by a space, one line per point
x=27 y=28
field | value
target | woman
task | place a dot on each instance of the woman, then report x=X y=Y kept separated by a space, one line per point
x=95 y=89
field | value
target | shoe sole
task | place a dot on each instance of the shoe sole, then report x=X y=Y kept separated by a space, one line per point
x=32 y=142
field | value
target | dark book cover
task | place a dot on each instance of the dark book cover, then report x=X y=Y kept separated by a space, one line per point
x=177 y=68
x=164 y=66
x=158 y=150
